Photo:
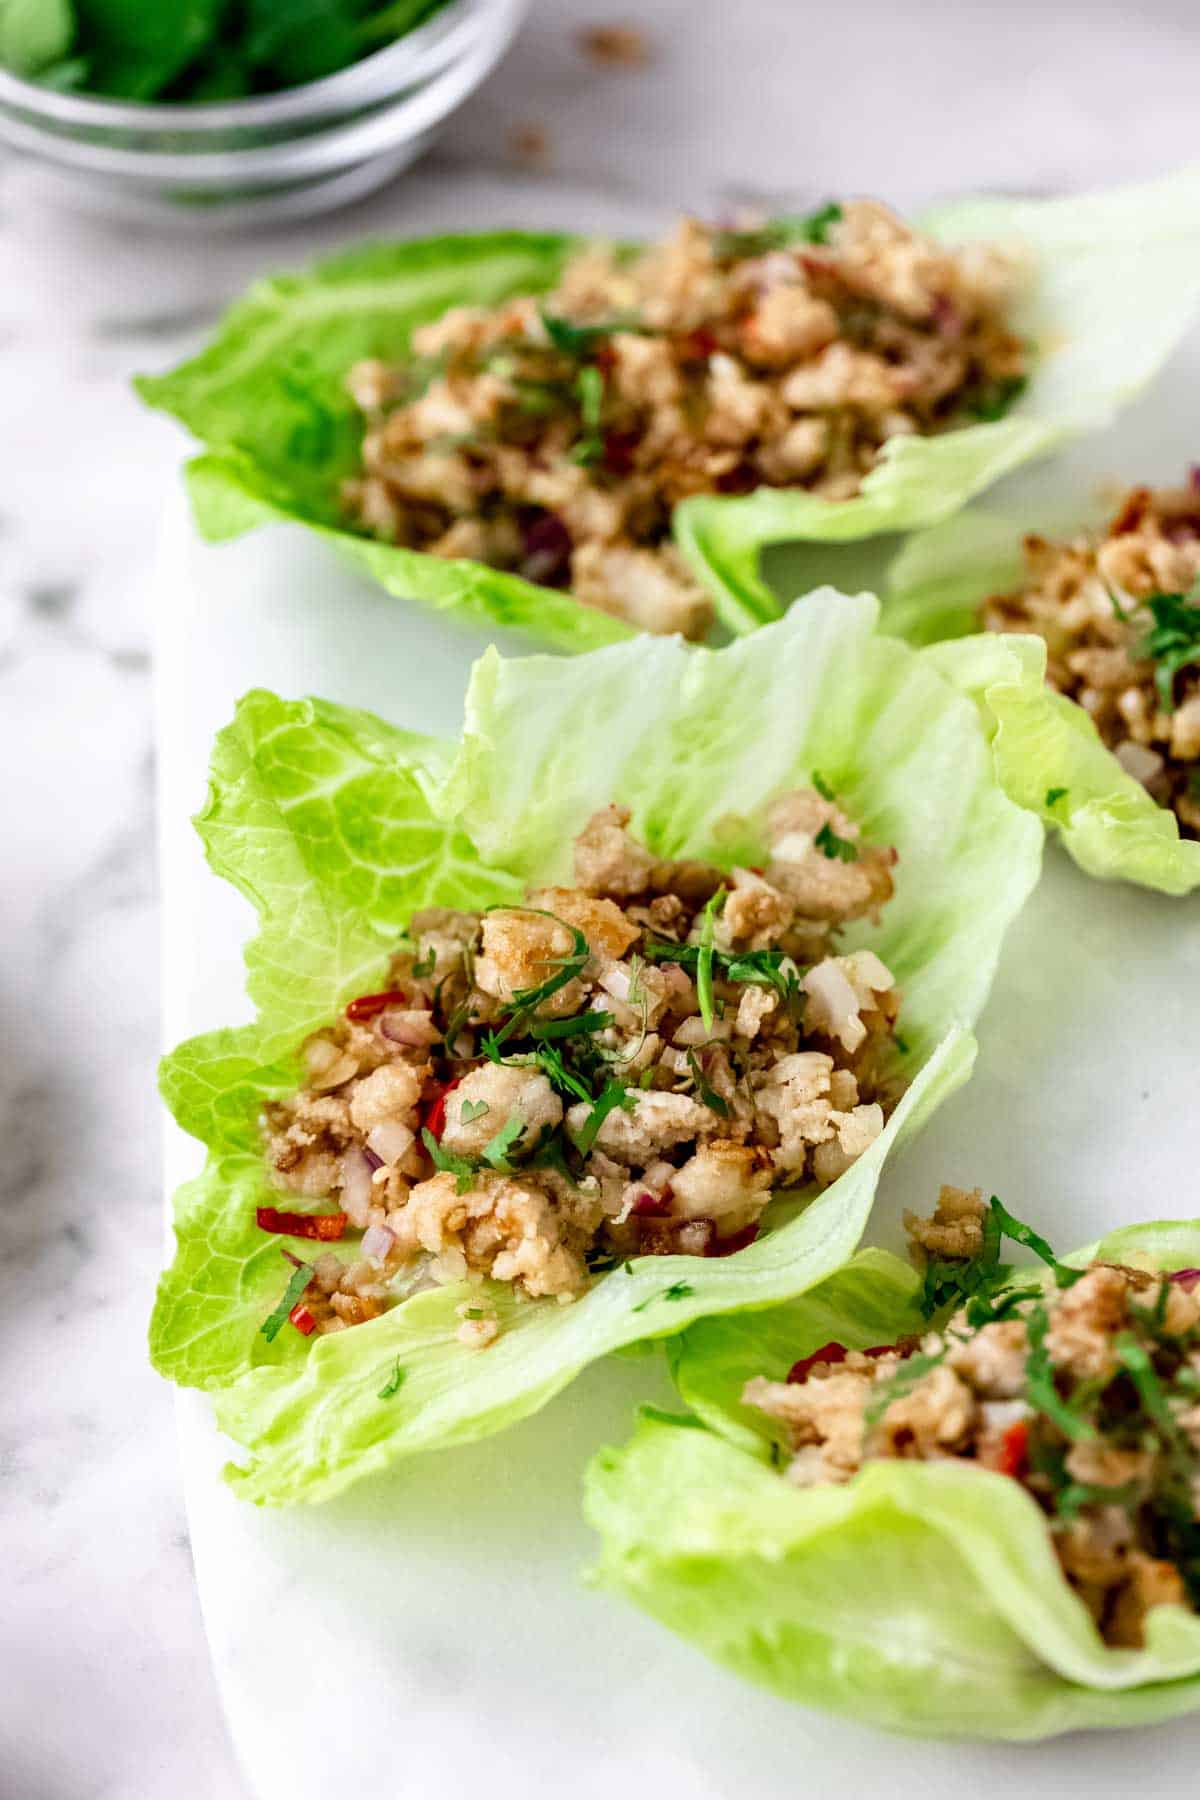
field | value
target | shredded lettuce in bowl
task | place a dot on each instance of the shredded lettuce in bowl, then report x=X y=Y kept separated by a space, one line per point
x=925 y=1598
x=267 y=397
x=339 y=826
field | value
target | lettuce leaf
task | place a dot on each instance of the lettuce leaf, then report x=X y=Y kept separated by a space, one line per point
x=923 y=1597
x=267 y=396
x=1049 y=755
x=1097 y=342
x=337 y=826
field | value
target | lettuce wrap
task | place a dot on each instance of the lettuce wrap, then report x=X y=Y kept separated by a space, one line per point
x=1049 y=755
x=338 y=827
x=267 y=397
x=923 y=1597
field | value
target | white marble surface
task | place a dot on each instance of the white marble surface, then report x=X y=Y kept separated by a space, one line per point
x=106 y=1692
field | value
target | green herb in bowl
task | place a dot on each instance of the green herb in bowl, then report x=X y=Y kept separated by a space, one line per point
x=195 y=50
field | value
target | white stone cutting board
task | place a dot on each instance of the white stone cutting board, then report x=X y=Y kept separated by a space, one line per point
x=428 y=1635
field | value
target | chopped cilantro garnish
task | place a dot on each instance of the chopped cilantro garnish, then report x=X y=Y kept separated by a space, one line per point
x=995 y=398
x=1054 y=795
x=1071 y=1499
x=589 y=391
x=1135 y=1359
x=708 y=1094
x=613 y=1094
x=831 y=845
x=447 y=1162
x=1040 y=1388
x=582 y=1024
x=822 y=786
x=579 y=341
x=470 y=1110
x=526 y=1000
x=816 y=227
x=394 y=1382
x=1021 y=1233
x=776 y=234
x=496 y=1150
x=473 y=1312
x=272 y=1325
x=983 y=1281
x=704 y=958
x=426 y=965
x=1173 y=642
x=678 y=1290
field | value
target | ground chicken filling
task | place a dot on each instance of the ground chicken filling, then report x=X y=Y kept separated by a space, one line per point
x=553 y=436
x=620 y=1068
x=1121 y=618
x=1086 y=1390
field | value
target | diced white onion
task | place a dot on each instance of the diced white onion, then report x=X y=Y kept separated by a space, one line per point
x=615 y=981
x=410 y=1027
x=1139 y=761
x=391 y=1140
x=356 y=1186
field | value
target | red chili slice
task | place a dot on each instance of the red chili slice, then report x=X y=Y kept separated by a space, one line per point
x=832 y=1353
x=367 y=1005
x=434 y=1117
x=327 y=1227
x=1014 y=1450
x=302 y=1319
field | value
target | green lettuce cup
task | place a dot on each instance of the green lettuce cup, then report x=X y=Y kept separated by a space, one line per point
x=267 y=397
x=923 y=1597
x=1096 y=342
x=338 y=826
x=1049 y=755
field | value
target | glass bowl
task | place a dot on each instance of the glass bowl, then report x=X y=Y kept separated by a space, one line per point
x=271 y=157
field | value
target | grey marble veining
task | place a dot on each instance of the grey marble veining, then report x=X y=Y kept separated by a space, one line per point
x=106 y=1690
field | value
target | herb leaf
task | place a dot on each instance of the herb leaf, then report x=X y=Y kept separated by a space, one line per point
x=273 y=1324
x=704 y=959
x=613 y=1094
x=470 y=1110
x=496 y=1150
x=1173 y=642
x=831 y=845
x=394 y=1382
x=1054 y=795
x=447 y=1162
x=678 y=1290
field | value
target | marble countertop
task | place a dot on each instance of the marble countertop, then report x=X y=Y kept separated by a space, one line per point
x=107 y=1692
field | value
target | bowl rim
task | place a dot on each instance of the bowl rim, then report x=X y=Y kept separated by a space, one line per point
x=407 y=114
x=405 y=62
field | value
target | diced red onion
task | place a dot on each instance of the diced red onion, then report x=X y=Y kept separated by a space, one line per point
x=1185 y=1278
x=652 y=1206
x=356 y=1185
x=947 y=317
x=377 y=1243
x=832 y=1353
x=375 y=1161
x=389 y=1141
x=547 y=550
x=1194 y=478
